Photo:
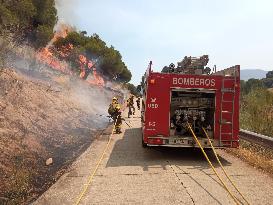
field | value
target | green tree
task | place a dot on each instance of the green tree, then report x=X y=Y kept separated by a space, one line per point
x=247 y=86
x=74 y=38
x=110 y=59
x=269 y=74
x=28 y=20
x=43 y=35
x=125 y=75
x=267 y=82
x=132 y=88
x=96 y=46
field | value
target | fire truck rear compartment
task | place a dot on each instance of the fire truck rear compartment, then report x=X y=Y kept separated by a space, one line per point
x=194 y=106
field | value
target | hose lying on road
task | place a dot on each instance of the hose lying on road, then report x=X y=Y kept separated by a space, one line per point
x=220 y=163
x=212 y=167
x=91 y=176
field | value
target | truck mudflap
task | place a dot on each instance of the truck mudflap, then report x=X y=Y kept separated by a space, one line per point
x=176 y=141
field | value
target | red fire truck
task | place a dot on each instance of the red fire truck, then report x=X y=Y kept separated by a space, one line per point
x=191 y=94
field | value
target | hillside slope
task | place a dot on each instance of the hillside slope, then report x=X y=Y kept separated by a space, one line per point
x=252 y=73
x=40 y=120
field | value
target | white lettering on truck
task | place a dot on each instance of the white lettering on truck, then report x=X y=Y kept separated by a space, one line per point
x=194 y=82
x=152 y=124
x=153 y=105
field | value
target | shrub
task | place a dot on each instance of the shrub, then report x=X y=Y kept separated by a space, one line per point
x=256 y=111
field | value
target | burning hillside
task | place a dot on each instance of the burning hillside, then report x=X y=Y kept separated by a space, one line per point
x=48 y=56
x=53 y=117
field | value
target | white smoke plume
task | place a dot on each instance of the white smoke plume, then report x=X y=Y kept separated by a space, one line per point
x=66 y=10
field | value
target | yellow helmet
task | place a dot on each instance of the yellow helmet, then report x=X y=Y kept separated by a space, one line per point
x=114 y=99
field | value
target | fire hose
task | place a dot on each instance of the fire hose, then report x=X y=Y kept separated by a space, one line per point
x=92 y=174
x=221 y=165
x=110 y=117
x=213 y=168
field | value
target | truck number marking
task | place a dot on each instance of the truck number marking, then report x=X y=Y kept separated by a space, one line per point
x=153 y=100
x=153 y=105
x=152 y=124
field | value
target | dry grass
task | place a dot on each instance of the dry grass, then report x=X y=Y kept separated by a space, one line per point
x=256 y=112
x=255 y=155
x=270 y=89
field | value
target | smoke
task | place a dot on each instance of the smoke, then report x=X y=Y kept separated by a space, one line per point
x=94 y=100
x=91 y=99
x=121 y=90
x=66 y=10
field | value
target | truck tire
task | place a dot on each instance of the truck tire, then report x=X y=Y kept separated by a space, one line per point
x=144 y=145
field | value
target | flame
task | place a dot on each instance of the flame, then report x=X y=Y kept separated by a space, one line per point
x=61 y=31
x=87 y=66
x=66 y=50
x=97 y=79
x=45 y=56
x=82 y=61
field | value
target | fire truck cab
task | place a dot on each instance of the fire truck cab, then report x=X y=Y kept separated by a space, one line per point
x=191 y=94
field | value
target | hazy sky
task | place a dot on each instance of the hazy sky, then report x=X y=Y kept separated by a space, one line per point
x=230 y=32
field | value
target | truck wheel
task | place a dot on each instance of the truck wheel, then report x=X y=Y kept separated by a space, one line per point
x=144 y=145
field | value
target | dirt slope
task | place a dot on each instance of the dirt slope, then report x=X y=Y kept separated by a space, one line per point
x=39 y=120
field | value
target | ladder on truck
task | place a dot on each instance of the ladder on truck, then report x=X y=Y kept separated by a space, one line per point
x=227 y=89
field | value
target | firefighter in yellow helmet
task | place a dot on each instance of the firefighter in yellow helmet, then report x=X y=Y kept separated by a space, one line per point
x=114 y=111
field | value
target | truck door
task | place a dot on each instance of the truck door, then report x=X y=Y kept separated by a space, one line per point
x=157 y=106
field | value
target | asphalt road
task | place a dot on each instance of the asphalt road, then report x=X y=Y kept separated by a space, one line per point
x=130 y=174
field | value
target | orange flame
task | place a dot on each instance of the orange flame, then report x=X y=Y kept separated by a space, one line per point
x=88 y=66
x=97 y=79
x=46 y=56
x=61 y=31
x=66 y=50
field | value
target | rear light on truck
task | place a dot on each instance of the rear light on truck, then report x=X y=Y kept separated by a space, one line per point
x=152 y=81
x=156 y=141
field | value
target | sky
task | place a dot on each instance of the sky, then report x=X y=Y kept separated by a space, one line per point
x=233 y=32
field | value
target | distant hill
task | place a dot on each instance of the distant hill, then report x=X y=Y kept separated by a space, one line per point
x=252 y=73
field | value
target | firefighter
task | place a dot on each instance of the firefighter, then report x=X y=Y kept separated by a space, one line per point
x=130 y=104
x=138 y=103
x=114 y=111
